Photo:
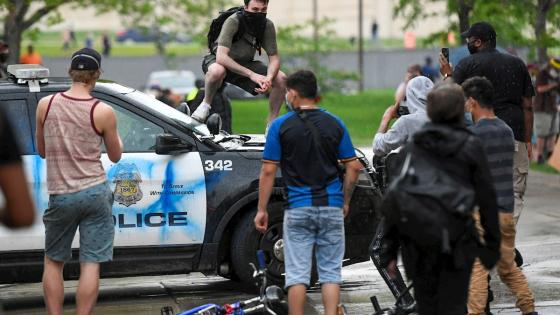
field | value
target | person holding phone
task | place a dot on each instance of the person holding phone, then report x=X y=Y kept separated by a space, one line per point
x=388 y=139
x=513 y=93
x=512 y=98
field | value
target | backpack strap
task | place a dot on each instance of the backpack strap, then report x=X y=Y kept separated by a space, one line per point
x=319 y=141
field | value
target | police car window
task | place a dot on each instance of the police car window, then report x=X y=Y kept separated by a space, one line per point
x=18 y=116
x=137 y=133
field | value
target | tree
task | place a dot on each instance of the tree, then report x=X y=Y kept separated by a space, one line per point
x=512 y=19
x=304 y=51
x=21 y=15
x=544 y=11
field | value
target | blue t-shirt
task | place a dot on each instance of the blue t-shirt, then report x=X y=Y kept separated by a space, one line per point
x=310 y=176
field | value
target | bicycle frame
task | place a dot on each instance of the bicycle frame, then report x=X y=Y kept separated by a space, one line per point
x=267 y=296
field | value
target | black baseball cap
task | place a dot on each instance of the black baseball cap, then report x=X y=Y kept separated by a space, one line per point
x=85 y=59
x=481 y=30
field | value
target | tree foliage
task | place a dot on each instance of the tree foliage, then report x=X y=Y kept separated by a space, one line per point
x=302 y=51
x=531 y=23
x=173 y=15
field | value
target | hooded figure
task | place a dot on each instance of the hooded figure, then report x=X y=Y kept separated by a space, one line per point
x=402 y=130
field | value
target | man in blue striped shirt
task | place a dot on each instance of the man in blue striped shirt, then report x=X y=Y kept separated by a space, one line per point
x=499 y=145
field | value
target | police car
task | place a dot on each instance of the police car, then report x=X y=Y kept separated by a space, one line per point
x=185 y=197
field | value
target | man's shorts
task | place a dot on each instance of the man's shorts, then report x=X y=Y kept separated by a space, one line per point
x=90 y=210
x=306 y=227
x=546 y=124
x=241 y=81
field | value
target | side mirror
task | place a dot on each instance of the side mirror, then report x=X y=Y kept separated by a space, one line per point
x=170 y=144
x=214 y=123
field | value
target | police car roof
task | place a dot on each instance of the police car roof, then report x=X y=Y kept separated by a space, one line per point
x=57 y=84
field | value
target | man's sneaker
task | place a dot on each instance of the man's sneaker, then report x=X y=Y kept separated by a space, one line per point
x=518 y=258
x=201 y=113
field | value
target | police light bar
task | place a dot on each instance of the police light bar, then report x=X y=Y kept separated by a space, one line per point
x=28 y=72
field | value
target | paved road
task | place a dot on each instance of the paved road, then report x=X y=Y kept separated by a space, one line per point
x=538 y=240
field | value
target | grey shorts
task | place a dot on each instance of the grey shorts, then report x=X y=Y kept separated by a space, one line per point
x=545 y=124
x=236 y=79
x=90 y=210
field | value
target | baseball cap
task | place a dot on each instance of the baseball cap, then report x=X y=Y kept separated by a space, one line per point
x=481 y=30
x=85 y=59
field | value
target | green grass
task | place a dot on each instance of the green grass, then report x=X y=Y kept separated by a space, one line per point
x=49 y=44
x=361 y=113
x=544 y=168
x=123 y=50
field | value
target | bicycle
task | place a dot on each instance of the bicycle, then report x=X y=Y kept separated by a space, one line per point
x=397 y=309
x=271 y=299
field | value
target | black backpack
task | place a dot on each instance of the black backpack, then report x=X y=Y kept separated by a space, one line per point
x=216 y=27
x=427 y=205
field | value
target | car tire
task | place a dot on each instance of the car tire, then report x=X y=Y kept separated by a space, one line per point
x=247 y=240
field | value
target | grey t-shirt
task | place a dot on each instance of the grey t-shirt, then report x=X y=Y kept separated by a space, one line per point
x=242 y=50
x=497 y=138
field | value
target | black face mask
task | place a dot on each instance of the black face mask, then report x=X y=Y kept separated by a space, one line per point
x=472 y=48
x=256 y=21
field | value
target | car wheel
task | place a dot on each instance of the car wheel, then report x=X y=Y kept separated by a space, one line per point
x=247 y=240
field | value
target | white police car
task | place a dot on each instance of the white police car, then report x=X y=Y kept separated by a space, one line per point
x=185 y=198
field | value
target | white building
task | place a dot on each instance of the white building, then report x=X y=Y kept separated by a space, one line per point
x=286 y=12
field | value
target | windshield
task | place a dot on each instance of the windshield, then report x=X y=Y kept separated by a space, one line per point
x=164 y=109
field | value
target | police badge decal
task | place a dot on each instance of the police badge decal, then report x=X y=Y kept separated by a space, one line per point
x=127 y=184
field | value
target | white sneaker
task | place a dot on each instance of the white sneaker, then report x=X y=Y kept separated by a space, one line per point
x=201 y=113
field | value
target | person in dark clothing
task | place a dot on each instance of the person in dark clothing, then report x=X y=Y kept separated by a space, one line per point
x=441 y=280
x=18 y=210
x=513 y=92
x=166 y=96
x=429 y=71
x=220 y=105
x=106 y=42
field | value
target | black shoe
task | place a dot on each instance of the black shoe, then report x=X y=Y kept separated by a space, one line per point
x=489 y=298
x=518 y=258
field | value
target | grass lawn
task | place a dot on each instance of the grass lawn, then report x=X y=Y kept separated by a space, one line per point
x=49 y=44
x=361 y=113
x=545 y=168
x=122 y=50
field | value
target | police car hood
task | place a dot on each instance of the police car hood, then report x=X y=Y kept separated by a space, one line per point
x=244 y=142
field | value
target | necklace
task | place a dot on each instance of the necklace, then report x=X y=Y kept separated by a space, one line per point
x=307 y=107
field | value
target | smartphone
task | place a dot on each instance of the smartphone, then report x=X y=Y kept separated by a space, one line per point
x=445 y=53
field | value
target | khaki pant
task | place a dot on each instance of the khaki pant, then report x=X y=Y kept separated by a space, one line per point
x=509 y=273
x=520 y=171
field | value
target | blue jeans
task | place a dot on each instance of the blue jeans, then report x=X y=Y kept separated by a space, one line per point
x=308 y=227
